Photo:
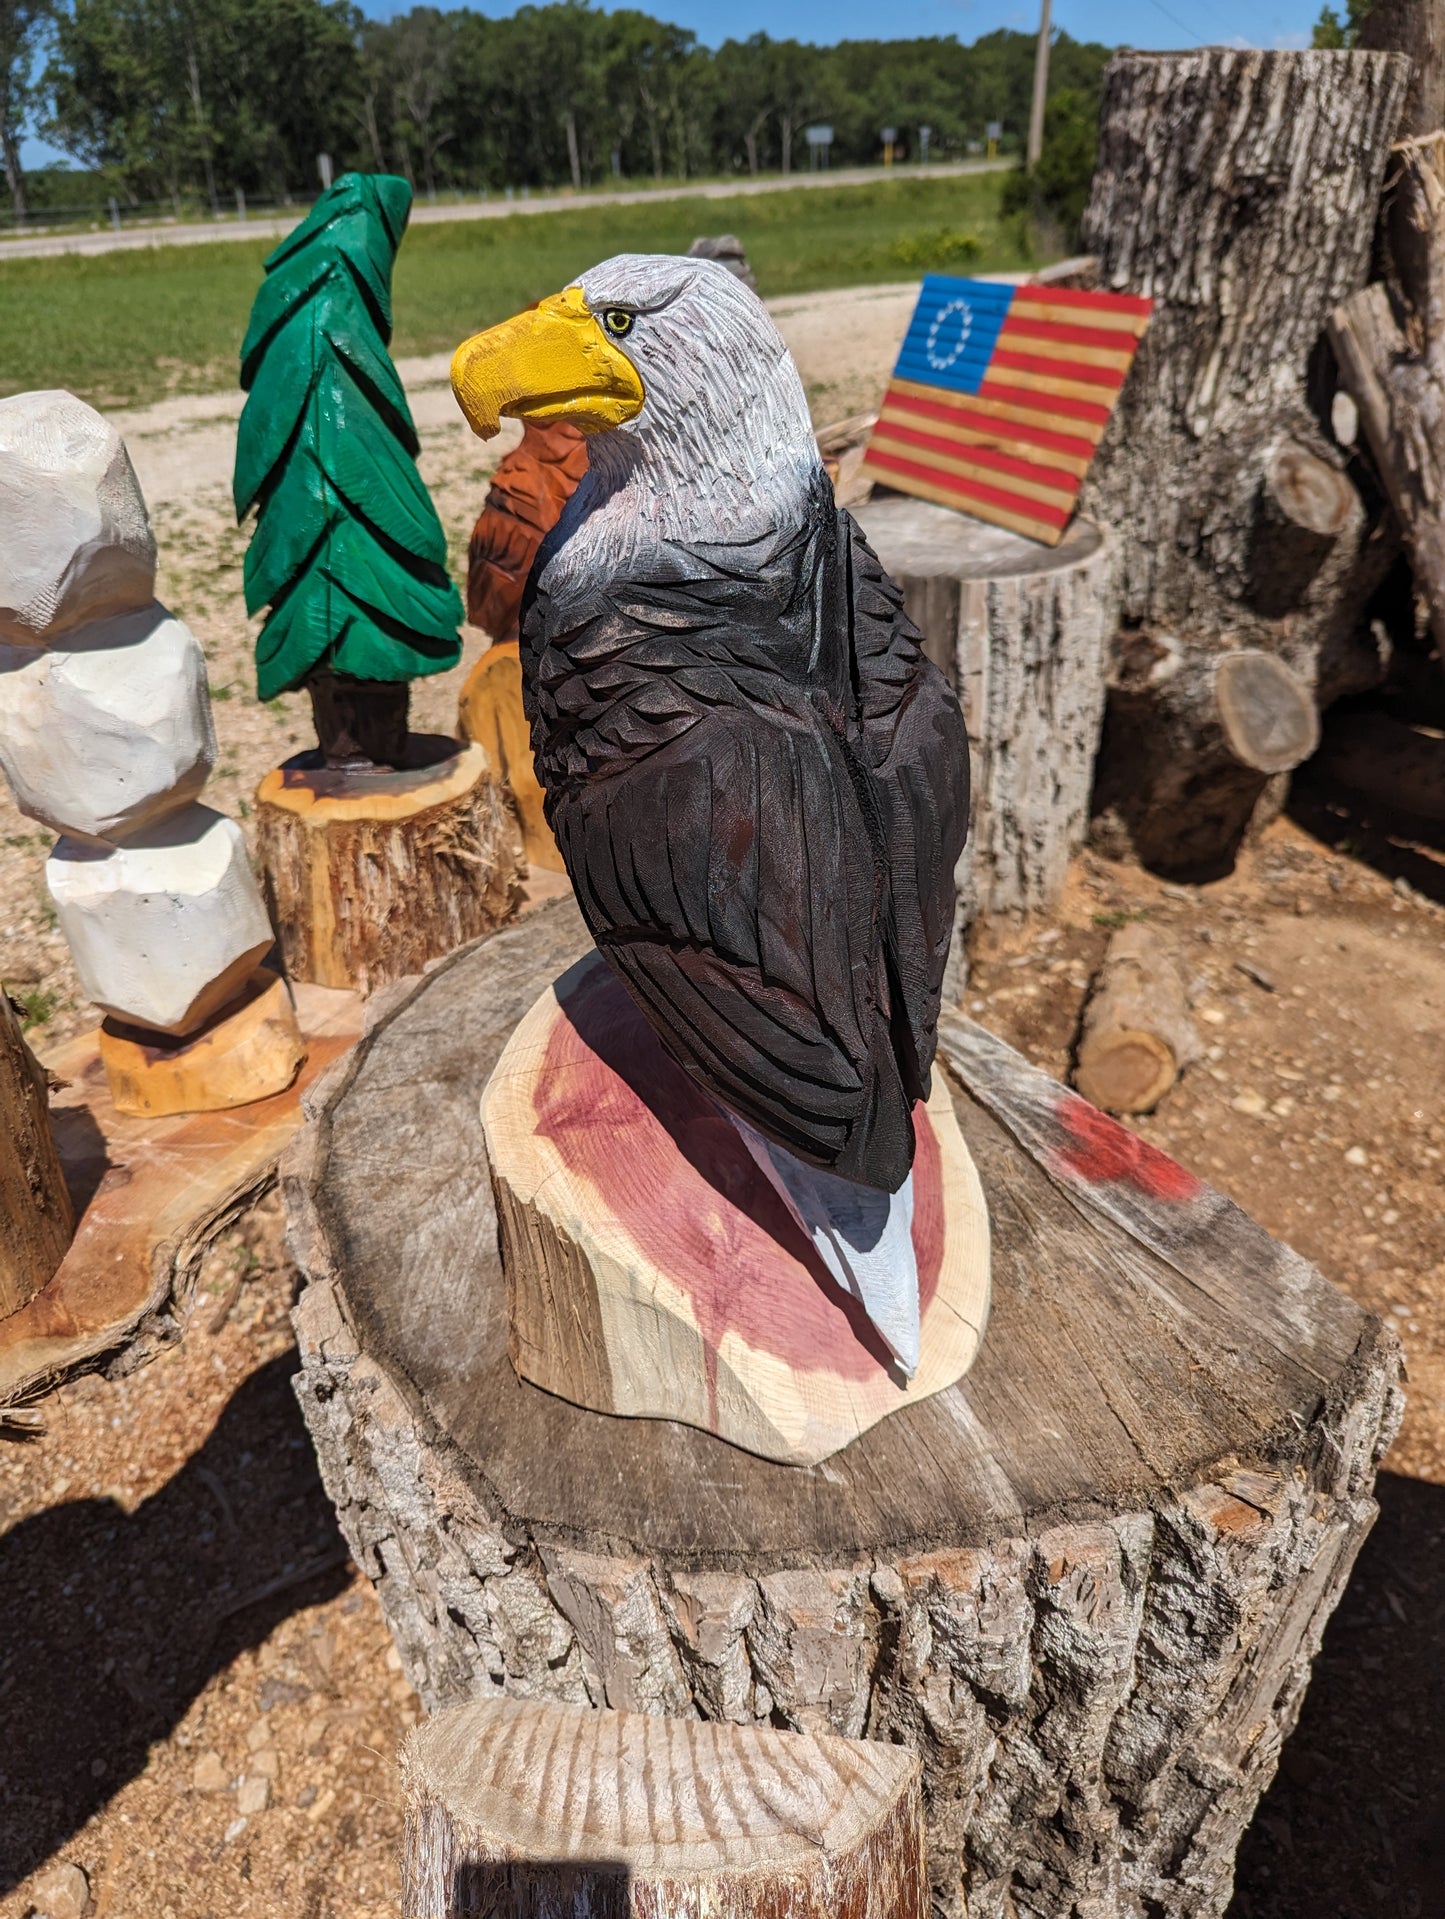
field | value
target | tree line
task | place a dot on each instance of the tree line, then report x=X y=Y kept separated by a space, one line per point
x=190 y=100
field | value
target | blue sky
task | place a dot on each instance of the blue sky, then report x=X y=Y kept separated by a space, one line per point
x=1139 y=23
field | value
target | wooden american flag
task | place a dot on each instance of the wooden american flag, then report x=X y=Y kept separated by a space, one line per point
x=1000 y=396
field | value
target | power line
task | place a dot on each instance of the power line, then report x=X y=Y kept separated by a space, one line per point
x=1175 y=21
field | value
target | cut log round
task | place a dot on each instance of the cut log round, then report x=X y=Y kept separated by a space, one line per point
x=1194 y=740
x=682 y=1290
x=1239 y=190
x=490 y=712
x=1093 y=1574
x=1137 y=1035
x=372 y=875
x=537 y=1809
x=1023 y=632
x=37 y=1220
x=249 y=1050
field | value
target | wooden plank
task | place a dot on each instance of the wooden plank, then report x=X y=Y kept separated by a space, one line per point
x=1019 y=476
x=1086 y=422
x=902 y=476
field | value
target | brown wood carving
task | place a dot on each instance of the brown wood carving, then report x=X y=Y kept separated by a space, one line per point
x=529 y=489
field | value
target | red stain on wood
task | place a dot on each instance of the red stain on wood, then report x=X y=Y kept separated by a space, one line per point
x=626 y=1119
x=1100 y=1149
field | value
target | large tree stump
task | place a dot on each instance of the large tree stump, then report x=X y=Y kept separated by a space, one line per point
x=684 y=1290
x=1023 y=632
x=370 y=876
x=1085 y=1585
x=37 y=1219
x=1239 y=190
x=533 y=1810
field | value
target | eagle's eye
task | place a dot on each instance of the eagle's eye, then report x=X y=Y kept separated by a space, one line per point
x=618 y=321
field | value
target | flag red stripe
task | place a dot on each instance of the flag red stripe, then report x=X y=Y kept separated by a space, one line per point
x=1075 y=296
x=963 y=415
x=1046 y=405
x=1108 y=377
x=1050 y=476
x=1028 y=328
x=971 y=489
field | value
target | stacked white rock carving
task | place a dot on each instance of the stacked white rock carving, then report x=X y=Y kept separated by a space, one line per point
x=105 y=730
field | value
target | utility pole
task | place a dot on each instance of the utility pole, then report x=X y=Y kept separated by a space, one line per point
x=1041 y=88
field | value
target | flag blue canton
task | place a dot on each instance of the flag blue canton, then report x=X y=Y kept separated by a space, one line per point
x=954 y=330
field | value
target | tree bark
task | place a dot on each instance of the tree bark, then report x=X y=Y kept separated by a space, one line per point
x=682 y=1821
x=1091 y=1576
x=1239 y=190
x=1137 y=1035
x=1022 y=631
x=1416 y=28
x=371 y=876
x=37 y=1219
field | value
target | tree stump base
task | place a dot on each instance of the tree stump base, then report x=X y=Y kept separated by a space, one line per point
x=1084 y=1585
x=531 y=1809
x=370 y=876
x=1022 y=631
x=652 y=1271
x=249 y=1050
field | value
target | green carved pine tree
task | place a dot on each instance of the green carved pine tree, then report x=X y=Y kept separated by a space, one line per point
x=348 y=552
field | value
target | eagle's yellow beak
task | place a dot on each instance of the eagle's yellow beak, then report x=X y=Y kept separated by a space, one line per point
x=554 y=363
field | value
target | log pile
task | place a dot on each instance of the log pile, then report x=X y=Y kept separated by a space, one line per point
x=1239 y=190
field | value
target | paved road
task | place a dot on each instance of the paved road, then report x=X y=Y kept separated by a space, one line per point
x=268 y=226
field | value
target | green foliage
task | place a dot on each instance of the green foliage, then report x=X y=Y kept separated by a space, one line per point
x=37 y=1005
x=177 y=99
x=937 y=250
x=173 y=314
x=1053 y=194
x=348 y=551
x=1332 y=32
x=24 y=25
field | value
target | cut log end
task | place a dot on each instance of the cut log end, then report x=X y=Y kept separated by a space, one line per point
x=694 y=1821
x=370 y=876
x=654 y=1272
x=37 y=1220
x=1309 y=491
x=1266 y=712
x=251 y=1050
x=1137 y=1035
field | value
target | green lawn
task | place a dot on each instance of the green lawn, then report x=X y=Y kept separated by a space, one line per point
x=126 y=328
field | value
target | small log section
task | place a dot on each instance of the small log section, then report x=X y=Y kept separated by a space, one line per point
x=249 y=1050
x=685 y=1291
x=1389 y=341
x=1023 y=633
x=1239 y=190
x=372 y=875
x=490 y=712
x=1197 y=744
x=1084 y=1585
x=151 y=1194
x=37 y=1219
x=1137 y=1035
x=532 y=1809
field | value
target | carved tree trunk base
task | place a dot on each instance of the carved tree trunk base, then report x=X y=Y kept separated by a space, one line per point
x=1084 y=1585
x=250 y=1050
x=370 y=876
x=681 y=1821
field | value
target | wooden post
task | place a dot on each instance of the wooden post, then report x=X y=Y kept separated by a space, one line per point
x=37 y=1219
x=1022 y=631
x=533 y=1809
x=371 y=875
x=1137 y=1034
x=1239 y=190
x=1093 y=1574
x=1041 y=88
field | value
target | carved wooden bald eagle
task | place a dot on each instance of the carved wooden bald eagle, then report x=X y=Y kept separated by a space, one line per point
x=757 y=781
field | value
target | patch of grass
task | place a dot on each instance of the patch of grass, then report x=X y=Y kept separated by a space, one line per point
x=130 y=328
x=37 y=1005
x=1115 y=919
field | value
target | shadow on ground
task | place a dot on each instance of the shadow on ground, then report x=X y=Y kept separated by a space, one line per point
x=114 y=1622
x=1354 y=1825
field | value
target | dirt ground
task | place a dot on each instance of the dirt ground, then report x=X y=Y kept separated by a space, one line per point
x=199 y=1701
